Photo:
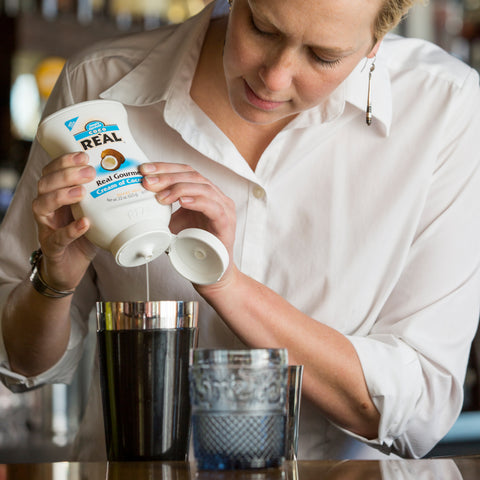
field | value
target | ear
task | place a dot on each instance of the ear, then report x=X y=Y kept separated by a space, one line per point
x=374 y=50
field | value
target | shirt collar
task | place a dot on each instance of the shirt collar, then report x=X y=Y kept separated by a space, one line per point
x=144 y=84
x=353 y=91
x=151 y=87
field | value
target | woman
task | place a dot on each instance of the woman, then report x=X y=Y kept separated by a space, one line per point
x=354 y=246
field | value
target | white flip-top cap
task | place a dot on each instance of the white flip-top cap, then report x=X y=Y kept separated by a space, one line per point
x=198 y=256
x=140 y=244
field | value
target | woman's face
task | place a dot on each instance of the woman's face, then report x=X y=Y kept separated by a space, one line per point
x=282 y=57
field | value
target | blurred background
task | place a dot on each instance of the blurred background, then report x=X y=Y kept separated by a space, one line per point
x=36 y=36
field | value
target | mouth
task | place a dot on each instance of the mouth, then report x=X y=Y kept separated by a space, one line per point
x=261 y=103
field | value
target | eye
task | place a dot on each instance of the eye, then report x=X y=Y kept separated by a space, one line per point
x=323 y=61
x=257 y=29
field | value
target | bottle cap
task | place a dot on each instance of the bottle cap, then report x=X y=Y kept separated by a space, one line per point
x=139 y=244
x=198 y=256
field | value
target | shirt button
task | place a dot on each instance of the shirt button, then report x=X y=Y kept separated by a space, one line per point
x=258 y=192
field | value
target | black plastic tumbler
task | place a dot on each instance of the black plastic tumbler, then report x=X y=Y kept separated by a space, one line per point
x=144 y=359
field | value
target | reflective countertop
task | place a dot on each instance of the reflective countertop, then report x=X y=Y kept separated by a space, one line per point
x=457 y=468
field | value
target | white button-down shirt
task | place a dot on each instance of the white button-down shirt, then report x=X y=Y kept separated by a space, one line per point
x=374 y=231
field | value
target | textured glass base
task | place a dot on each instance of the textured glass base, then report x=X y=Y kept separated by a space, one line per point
x=238 y=441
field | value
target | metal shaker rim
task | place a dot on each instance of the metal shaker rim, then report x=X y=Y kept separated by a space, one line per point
x=257 y=357
x=162 y=314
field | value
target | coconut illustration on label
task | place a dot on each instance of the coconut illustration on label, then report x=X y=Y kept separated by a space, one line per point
x=125 y=218
x=111 y=159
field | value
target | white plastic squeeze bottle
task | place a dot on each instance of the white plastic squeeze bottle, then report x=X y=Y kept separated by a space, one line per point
x=125 y=217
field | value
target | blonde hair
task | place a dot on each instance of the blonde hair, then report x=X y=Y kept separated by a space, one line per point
x=391 y=14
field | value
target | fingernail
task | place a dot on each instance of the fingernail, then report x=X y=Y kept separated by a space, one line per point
x=163 y=195
x=186 y=199
x=81 y=224
x=87 y=172
x=75 y=192
x=151 y=180
x=147 y=168
x=80 y=158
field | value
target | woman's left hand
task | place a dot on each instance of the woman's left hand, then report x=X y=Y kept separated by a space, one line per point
x=203 y=204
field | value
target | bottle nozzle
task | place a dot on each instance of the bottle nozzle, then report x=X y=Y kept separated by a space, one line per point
x=146 y=254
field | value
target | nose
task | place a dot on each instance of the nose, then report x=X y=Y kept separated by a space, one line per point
x=277 y=70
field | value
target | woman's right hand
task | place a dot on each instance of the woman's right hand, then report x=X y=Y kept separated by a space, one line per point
x=66 y=252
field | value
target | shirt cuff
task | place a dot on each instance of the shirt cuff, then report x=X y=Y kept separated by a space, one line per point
x=61 y=372
x=388 y=366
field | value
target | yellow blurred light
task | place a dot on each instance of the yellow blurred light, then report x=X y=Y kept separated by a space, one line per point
x=46 y=74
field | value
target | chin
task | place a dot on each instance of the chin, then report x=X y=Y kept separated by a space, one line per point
x=262 y=119
x=256 y=116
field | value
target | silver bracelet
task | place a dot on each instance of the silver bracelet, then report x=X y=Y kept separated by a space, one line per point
x=39 y=283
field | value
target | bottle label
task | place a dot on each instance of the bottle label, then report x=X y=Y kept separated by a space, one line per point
x=115 y=160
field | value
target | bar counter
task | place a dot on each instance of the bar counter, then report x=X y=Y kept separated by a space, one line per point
x=456 y=468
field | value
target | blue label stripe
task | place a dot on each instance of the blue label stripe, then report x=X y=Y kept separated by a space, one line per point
x=89 y=133
x=113 y=186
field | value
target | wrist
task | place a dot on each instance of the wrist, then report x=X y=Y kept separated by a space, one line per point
x=38 y=282
x=223 y=288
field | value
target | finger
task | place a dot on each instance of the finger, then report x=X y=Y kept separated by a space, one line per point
x=67 y=177
x=218 y=214
x=179 y=182
x=56 y=242
x=163 y=181
x=184 y=188
x=218 y=219
x=159 y=175
x=217 y=208
x=46 y=204
x=76 y=159
x=163 y=167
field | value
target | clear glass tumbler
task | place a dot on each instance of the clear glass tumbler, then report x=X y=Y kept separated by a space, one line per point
x=238 y=400
x=294 y=396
